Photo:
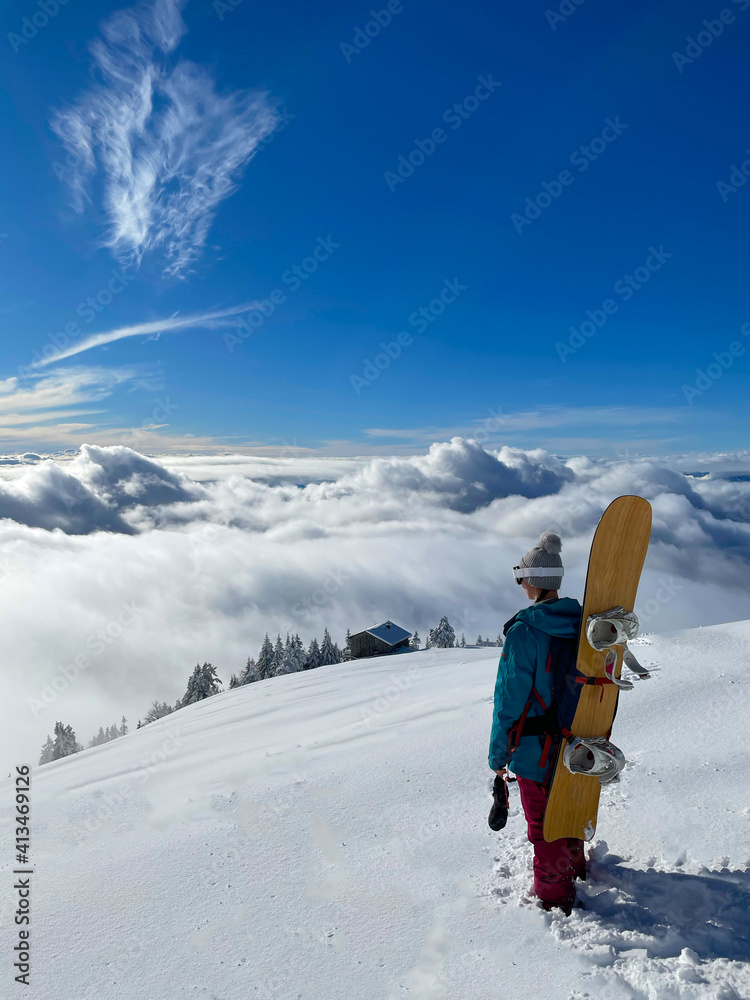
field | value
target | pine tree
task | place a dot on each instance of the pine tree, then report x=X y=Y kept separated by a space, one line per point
x=65 y=742
x=329 y=653
x=443 y=637
x=480 y=641
x=278 y=657
x=250 y=674
x=123 y=727
x=47 y=751
x=294 y=657
x=313 y=656
x=157 y=711
x=265 y=659
x=234 y=681
x=348 y=640
x=139 y=724
x=203 y=683
x=500 y=640
x=463 y=641
x=112 y=732
x=415 y=642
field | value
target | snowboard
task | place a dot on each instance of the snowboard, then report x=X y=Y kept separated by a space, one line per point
x=615 y=563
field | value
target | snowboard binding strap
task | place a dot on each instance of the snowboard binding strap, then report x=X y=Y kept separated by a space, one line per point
x=611 y=628
x=594 y=756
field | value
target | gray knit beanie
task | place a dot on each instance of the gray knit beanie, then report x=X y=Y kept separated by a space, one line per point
x=546 y=556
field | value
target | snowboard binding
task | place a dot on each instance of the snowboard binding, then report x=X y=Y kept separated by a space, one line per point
x=611 y=628
x=594 y=756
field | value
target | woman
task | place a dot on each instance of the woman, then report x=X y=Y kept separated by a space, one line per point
x=524 y=689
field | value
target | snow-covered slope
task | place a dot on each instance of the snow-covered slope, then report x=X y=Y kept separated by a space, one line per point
x=323 y=836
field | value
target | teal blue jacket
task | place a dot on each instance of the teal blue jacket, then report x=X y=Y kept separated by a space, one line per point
x=523 y=664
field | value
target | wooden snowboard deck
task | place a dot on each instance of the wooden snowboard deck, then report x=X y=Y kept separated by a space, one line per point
x=617 y=556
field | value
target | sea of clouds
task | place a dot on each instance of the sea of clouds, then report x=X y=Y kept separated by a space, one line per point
x=142 y=567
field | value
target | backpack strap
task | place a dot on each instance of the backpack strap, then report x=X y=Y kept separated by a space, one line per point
x=520 y=728
x=511 y=622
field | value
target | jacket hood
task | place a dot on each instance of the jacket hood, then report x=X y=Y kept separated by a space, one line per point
x=561 y=617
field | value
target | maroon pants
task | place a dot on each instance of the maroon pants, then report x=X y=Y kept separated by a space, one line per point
x=555 y=864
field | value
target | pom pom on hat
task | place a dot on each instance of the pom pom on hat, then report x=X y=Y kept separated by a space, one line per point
x=550 y=542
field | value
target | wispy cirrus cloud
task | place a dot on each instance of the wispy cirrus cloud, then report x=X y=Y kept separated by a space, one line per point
x=167 y=146
x=212 y=320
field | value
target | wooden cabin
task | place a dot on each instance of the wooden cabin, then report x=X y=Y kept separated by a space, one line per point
x=379 y=640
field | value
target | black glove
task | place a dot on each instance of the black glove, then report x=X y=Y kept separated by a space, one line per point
x=500 y=800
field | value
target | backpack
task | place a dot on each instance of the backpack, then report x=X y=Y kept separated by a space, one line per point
x=555 y=722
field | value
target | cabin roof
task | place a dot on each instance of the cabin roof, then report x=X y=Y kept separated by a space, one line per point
x=388 y=632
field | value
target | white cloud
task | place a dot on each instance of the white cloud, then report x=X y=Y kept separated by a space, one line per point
x=169 y=148
x=210 y=320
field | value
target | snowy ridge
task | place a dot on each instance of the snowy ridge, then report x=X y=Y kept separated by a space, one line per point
x=323 y=835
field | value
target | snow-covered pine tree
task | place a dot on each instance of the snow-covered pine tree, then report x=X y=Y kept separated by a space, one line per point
x=312 y=659
x=294 y=657
x=203 y=683
x=265 y=659
x=480 y=641
x=443 y=637
x=278 y=657
x=463 y=641
x=123 y=731
x=247 y=676
x=157 y=711
x=415 y=642
x=500 y=640
x=47 y=751
x=250 y=673
x=329 y=653
x=112 y=732
x=65 y=742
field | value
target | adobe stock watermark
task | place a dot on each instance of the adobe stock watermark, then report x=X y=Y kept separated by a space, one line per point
x=625 y=288
x=87 y=311
x=283 y=119
x=650 y=608
x=454 y=116
x=107 y=804
x=737 y=178
x=420 y=319
x=307 y=608
x=387 y=698
x=163 y=409
x=224 y=7
x=294 y=278
x=379 y=19
x=710 y=31
x=566 y=9
x=723 y=360
x=582 y=158
x=31 y=26
x=97 y=642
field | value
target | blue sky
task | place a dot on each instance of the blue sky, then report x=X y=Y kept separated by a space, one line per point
x=176 y=165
